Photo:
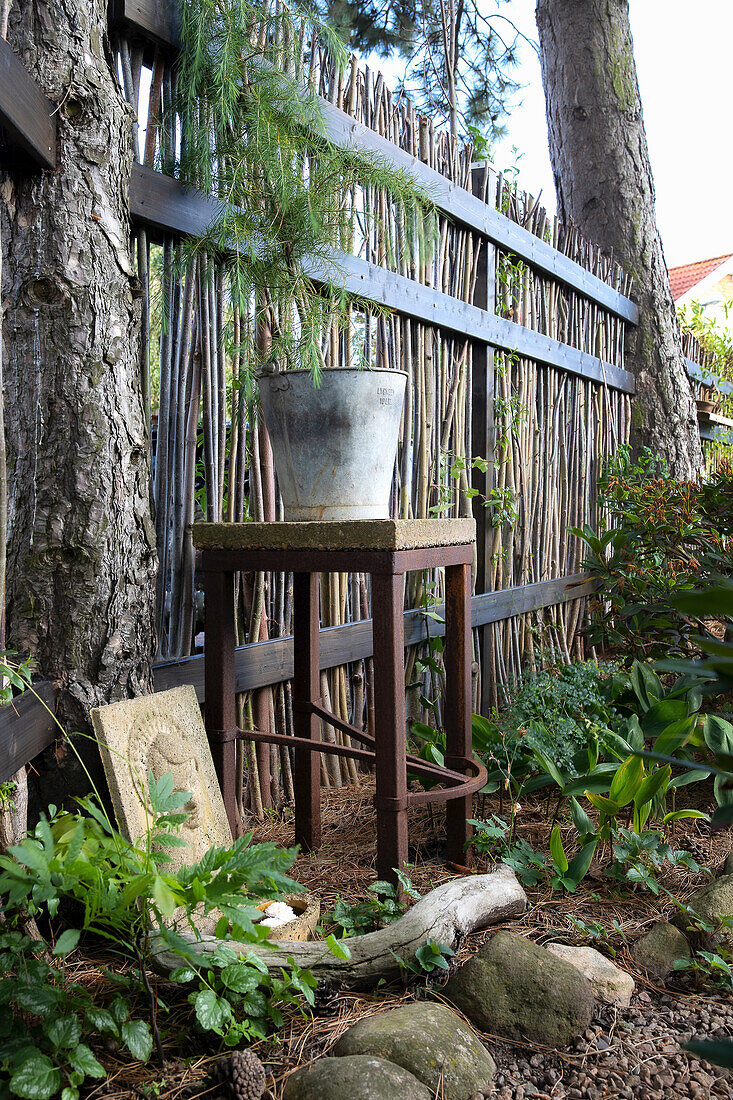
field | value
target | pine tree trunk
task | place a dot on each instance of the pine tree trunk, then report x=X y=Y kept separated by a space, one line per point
x=81 y=543
x=604 y=184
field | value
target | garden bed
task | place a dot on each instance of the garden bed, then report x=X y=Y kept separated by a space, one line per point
x=631 y=1053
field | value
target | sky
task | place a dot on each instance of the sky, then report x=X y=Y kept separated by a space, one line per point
x=685 y=69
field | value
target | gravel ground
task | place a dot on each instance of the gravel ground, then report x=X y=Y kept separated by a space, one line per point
x=632 y=1054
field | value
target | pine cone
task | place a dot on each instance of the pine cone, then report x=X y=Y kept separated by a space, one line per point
x=247 y=1075
x=326 y=999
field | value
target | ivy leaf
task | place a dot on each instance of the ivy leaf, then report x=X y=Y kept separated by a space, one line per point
x=40 y=1000
x=137 y=1037
x=82 y=1059
x=37 y=1079
x=240 y=978
x=211 y=1011
x=65 y=1031
x=100 y=1019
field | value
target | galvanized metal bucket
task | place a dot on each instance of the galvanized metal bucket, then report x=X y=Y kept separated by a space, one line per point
x=334 y=445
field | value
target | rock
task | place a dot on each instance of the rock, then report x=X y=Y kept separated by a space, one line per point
x=356 y=1077
x=430 y=1042
x=728 y=865
x=609 y=983
x=711 y=902
x=659 y=948
x=513 y=987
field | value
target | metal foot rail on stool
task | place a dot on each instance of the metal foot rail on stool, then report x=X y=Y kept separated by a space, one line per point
x=385 y=549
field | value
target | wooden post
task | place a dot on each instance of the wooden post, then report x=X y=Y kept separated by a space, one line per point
x=306 y=690
x=389 y=712
x=220 y=685
x=483 y=431
x=458 y=736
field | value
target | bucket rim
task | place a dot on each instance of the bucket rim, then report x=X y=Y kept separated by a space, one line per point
x=332 y=370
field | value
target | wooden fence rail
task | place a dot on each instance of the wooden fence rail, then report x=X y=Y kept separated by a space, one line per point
x=27 y=727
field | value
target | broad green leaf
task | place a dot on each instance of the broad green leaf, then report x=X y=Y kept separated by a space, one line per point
x=212 y=1012
x=138 y=1039
x=661 y=714
x=100 y=1019
x=549 y=766
x=580 y=863
x=82 y=1059
x=337 y=947
x=557 y=851
x=675 y=735
x=67 y=941
x=693 y=776
x=679 y=815
x=65 y=1031
x=646 y=684
x=583 y=824
x=120 y=1009
x=36 y=1079
x=164 y=897
x=240 y=978
x=605 y=805
x=718 y=734
x=651 y=784
x=40 y=1000
x=626 y=781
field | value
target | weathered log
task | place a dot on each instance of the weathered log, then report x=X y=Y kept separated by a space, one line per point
x=446 y=915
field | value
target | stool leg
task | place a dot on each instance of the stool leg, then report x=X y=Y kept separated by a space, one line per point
x=220 y=686
x=306 y=689
x=458 y=734
x=389 y=712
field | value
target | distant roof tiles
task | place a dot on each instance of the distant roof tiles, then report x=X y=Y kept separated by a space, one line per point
x=682 y=279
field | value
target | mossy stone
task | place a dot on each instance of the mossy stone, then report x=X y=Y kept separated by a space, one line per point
x=514 y=987
x=660 y=948
x=711 y=902
x=357 y=1077
x=428 y=1040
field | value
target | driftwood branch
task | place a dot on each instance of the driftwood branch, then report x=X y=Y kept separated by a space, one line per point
x=446 y=915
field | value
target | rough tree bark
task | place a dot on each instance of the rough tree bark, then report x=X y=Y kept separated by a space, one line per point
x=81 y=543
x=604 y=184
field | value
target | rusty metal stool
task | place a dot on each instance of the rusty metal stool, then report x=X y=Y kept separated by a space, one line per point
x=387 y=550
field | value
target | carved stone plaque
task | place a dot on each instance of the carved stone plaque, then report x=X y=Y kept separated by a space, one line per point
x=162 y=733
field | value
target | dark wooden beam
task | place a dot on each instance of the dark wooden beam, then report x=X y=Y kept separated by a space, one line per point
x=164 y=204
x=26 y=116
x=702 y=374
x=26 y=728
x=267 y=663
x=156 y=19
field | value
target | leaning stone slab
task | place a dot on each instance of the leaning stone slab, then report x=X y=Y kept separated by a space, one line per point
x=610 y=984
x=512 y=986
x=162 y=733
x=713 y=902
x=429 y=1041
x=660 y=948
x=357 y=1077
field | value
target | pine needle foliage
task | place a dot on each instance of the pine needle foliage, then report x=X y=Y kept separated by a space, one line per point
x=253 y=137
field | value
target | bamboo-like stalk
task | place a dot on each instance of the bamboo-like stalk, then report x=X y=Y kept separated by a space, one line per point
x=552 y=430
